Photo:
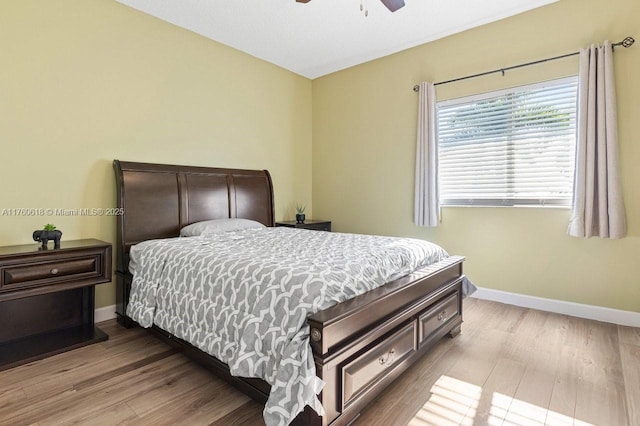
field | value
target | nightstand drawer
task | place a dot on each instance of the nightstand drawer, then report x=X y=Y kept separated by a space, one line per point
x=32 y=274
x=25 y=273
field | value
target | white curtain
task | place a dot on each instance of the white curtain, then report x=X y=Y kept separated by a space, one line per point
x=597 y=209
x=427 y=204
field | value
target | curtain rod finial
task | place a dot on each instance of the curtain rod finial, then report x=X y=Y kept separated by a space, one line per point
x=416 y=88
x=627 y=42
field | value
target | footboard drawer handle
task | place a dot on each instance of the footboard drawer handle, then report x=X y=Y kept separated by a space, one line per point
x=388 y=358
x=54 y=271
x=442 y=316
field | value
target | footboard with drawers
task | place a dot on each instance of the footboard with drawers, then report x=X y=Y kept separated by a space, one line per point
x=357 y=361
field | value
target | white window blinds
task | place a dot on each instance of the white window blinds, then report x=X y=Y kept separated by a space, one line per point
x=508 y=148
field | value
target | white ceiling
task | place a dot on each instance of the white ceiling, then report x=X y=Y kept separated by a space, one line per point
x=324 y=36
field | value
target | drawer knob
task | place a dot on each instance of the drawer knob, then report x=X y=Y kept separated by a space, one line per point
x=54 y=271
x=442 y=316
x=388 y=358
x=316 y=336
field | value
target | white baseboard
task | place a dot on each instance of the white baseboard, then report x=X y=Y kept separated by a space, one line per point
x=598 y=313
x=105 y=313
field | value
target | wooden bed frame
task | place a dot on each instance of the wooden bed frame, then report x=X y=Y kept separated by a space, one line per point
x=359 y=346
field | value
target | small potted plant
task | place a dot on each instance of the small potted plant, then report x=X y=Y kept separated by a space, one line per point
x=300 y=213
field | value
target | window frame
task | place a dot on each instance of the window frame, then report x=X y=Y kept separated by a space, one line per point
x=564 y=202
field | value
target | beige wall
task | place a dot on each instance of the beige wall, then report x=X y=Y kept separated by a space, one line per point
x=364 y=121
x=84 y=82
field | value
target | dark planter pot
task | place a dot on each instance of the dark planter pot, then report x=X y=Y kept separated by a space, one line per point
x=44 y=237
x=300 y=218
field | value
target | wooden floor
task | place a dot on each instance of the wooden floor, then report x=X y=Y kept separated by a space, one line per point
x=510 y=366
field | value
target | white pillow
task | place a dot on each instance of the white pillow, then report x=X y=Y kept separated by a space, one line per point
x=218 y=225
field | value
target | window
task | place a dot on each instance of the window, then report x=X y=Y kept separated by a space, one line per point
x=509 y=148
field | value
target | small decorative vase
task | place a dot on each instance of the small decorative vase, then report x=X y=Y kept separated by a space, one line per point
x=300 y=218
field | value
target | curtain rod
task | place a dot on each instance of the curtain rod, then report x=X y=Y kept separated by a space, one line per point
x=627 y=42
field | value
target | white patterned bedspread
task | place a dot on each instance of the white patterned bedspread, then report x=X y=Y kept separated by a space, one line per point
x=243 y=297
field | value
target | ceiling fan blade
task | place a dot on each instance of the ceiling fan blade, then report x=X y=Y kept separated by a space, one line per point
x=393 y=5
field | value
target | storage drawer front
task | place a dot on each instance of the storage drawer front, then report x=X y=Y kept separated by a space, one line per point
x=377 y=362
x=438 y=316
x=33 y=274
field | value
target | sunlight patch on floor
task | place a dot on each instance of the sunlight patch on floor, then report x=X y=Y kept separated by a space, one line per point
x=455 y=402
x=499 y=409
x=522 y=413
x=557 y=419
x=450 y=402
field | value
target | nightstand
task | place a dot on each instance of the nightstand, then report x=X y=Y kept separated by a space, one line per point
x=47 y=298
x=316 y=225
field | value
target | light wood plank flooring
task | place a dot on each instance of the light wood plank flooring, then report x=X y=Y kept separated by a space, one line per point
x=510 y=366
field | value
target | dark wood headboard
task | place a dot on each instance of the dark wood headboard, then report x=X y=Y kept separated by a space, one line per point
x=159 y=199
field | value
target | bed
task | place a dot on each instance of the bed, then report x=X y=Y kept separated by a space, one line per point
x=358 y=346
